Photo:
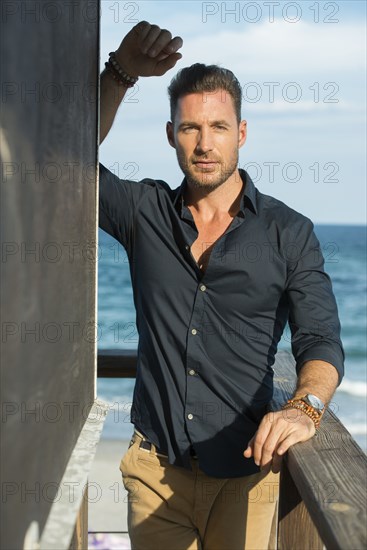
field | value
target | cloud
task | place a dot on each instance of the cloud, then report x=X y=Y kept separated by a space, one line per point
x=284 y=107
x=282 y=49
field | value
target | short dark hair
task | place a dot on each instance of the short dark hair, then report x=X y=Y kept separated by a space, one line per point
x=204 y=78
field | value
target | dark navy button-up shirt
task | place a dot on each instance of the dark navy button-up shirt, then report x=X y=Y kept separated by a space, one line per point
x=207 y=341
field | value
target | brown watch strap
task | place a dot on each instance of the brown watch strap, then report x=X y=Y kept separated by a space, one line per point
x=301 y=405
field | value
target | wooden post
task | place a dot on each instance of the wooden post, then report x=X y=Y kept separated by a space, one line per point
x=79 y=540
x=296 y=528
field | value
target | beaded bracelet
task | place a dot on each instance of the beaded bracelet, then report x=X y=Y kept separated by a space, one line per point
x=118 y=73
x=305 y=408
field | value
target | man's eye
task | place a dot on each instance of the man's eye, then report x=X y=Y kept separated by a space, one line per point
x=188 y=129
x=220 y=127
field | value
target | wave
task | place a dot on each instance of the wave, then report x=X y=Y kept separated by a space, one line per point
x=353 y=387
x=122 y=402
x=359 y=428
x=352 y=353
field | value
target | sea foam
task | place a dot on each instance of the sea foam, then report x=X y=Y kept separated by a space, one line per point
x=357 y=388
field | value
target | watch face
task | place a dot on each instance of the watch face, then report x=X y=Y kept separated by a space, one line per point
x=315 y=402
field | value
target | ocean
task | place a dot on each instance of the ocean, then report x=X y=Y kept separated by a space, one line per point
x=344 y=250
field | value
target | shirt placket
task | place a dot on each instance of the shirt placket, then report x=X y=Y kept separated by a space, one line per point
x=194 y=404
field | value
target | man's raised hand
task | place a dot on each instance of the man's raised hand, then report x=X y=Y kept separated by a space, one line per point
x=148 y=50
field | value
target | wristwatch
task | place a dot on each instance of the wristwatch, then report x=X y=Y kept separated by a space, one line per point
x=314 y=402
x=309 y=404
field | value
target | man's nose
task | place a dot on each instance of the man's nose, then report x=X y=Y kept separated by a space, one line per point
x=205 y=141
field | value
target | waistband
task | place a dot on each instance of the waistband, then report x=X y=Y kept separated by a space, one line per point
x=149 y=446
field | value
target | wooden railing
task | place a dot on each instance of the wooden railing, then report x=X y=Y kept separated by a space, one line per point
x=322 y=499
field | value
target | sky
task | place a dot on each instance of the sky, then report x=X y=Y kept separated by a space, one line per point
x=301 y=66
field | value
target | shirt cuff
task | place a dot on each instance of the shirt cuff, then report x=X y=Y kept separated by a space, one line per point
x=323 y=352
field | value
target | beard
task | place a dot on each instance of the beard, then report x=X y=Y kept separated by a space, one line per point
x=207 y=179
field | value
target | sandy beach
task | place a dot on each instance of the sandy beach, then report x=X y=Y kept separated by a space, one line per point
x=107 y=507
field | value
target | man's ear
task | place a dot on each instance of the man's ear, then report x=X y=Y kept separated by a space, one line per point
x=242 y=134
x=170 y=134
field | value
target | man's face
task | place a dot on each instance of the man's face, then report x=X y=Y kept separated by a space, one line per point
x=206 y=136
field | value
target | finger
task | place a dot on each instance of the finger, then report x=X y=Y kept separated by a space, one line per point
x=268 y=449
x=306 y=432
x=287 y=442
x=166 y=64
x=149 y=38
x=175 y=44
x=260 y=439
x=142 y=29
x=160 y=43
x=249 y=450
x=172 y=47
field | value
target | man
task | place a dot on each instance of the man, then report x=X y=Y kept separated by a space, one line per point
x=217 y=269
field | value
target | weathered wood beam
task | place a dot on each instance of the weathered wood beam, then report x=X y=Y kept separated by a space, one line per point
x=80 y=535
x=116 y=363
x=295 y=527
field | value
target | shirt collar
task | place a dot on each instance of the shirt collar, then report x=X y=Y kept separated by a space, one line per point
x=248 y=198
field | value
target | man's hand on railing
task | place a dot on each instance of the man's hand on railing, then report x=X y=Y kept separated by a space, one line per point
x=277 y=432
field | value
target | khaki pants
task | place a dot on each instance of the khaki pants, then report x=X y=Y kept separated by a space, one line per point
x=171 y=508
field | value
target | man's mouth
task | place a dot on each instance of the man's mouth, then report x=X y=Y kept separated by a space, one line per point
x=205 y=163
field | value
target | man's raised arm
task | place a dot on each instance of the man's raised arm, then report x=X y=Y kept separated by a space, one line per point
x=147 y=50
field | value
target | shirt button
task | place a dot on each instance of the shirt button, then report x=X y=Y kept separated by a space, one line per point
x=203 y=288
x=190 y=416
x=192 y=372
x=187 y=247
x=194 y=331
